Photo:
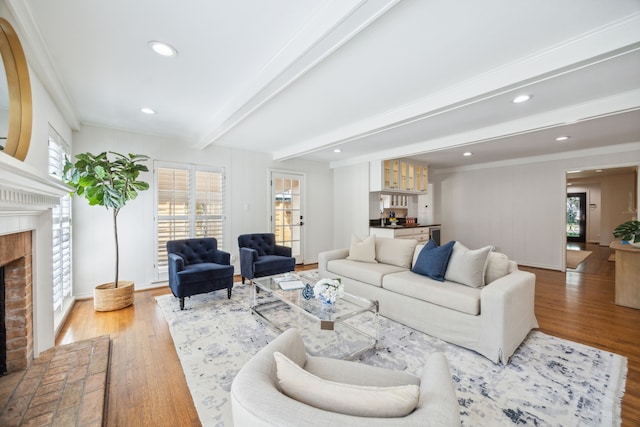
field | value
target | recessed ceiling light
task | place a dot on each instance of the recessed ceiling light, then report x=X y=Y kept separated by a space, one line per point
x=521 y=98
x=562 y=138
x=163 y=49
x=598 y=170
x=467 y=153
x=576 y=171
x=337 y=150
x=148 y=110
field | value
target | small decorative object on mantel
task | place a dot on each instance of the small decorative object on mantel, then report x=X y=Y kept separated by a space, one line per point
x=328 y=290
x=307 y=292
x=628 y=232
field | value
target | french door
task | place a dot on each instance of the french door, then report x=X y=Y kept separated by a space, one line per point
x=287 y=219
x=577 y=217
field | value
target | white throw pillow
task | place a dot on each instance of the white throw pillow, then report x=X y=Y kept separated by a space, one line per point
x=348 y=399
x=497 y=266
x=398 y=252
x=363 y=250
x=467 y=266
x=416 y=253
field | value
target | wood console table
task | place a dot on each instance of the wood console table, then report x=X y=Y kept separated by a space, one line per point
x=627 y=275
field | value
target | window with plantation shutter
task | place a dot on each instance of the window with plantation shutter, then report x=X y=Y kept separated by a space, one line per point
x=61 y=227
x=190 y=203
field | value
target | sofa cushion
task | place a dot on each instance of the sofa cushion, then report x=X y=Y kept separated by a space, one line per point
x=451 y=295
x=362 y=250
x=348 y=399
x=433 y=260
x=497 y=266
x=371 y=274
x=273 y=264
x=397 y=252
x=204 y=272
x=467 y=266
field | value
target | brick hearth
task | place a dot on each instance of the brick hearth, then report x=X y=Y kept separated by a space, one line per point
x=65 y=386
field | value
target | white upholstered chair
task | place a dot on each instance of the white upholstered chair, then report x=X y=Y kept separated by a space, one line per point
x=257 y=399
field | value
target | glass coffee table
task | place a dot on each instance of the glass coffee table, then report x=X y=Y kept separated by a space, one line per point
x=343 y=330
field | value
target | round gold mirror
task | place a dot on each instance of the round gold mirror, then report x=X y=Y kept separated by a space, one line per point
x=15 y=135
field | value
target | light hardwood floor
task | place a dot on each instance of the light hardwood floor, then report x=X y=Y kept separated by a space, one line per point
x=147 y=386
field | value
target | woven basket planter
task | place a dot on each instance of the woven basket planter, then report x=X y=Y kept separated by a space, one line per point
x=107 y=297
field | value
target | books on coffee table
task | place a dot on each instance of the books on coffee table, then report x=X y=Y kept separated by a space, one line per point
x=289 y=283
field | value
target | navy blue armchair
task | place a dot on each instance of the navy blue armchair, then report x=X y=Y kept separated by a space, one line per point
x=260 y=256
x=196 y=266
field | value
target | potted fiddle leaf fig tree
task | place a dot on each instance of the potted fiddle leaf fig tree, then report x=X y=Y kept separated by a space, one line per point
x=108 y=179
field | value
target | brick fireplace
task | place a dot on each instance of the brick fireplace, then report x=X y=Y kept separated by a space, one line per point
x=27 y=195
x=15 y=260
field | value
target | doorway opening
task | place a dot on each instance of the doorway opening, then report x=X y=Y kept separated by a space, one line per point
x=610 y=198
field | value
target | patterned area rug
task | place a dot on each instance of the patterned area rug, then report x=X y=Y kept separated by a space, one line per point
x=549 y=381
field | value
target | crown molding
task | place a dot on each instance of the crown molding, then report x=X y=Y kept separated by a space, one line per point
x=40 y=61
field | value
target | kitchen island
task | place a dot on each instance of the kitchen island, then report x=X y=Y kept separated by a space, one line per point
x=627 y=274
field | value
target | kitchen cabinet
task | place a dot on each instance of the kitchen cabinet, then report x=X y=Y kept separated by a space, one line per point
x=390 y=201
x=421 y=234
x=398 y=175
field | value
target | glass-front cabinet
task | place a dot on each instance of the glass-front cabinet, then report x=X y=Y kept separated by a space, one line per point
x=391 y=174
x=422 y=178
x=402 y=175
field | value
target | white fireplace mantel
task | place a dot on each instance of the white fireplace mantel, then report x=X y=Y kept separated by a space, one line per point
x=26 y=198
x=24 y=189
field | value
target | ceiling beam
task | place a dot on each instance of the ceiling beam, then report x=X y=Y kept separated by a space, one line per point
x=625 y=102
x=613 y=39
x=335 y=24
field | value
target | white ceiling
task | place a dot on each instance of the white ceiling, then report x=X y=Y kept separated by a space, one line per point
x=377 y=78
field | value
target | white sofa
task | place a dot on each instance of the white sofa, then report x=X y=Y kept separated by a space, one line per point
x=492 y=320
x=257 y=398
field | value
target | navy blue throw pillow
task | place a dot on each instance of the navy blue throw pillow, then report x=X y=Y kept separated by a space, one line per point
x=433 y=260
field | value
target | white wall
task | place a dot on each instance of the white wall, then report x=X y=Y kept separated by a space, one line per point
x=518 y=207
x=351 y=203
x=44 y=319
x=247 y=201
x=616 y=190
x=45 y=113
